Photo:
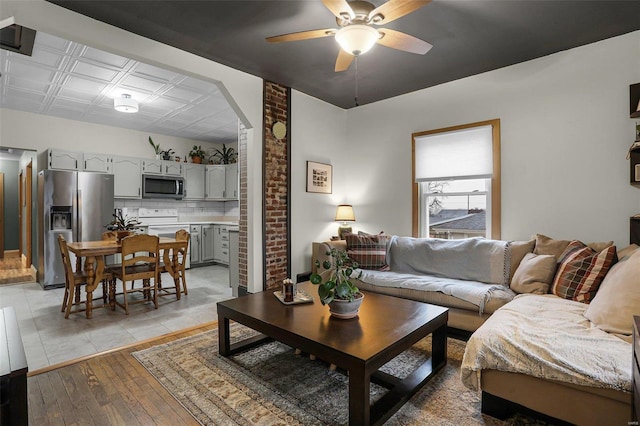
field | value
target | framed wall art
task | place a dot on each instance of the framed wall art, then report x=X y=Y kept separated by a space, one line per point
x=319 y=177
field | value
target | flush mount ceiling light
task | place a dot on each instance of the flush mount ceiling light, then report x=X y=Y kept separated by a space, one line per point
x=125 y=103
x=357 y=39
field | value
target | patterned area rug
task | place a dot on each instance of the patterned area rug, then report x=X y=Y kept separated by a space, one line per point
x=271 y=385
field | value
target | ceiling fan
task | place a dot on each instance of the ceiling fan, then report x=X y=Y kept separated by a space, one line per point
x=357 y=35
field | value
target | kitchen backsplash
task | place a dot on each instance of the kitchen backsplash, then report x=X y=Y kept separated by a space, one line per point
x=186 y=209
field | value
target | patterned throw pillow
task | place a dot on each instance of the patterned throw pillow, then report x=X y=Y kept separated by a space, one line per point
x=370 y=251
x=581 y=270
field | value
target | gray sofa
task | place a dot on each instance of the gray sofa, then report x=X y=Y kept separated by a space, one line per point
x=503 y=389
x=441 y=275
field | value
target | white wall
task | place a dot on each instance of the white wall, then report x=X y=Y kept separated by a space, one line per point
x=565 y=134
x=317 y=134
x=36 y=131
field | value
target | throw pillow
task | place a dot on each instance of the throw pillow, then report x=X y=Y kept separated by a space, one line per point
x=534 y=274
x=627 y=251
x=581 y=270
x=618 y=298
x=518 y=250
x=370 y=251
x=547 y=245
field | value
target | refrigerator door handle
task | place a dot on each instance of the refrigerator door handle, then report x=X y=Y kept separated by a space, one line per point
x=79 y=218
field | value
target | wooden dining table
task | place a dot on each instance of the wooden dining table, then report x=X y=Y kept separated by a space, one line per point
x=94 y=252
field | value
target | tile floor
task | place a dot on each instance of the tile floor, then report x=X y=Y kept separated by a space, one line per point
x=49 y=338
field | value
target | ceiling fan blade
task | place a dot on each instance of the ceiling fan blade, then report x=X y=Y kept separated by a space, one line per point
x=394 y=9
x=339 y=8
x=344 y=61
x=302 y=35
x=402 y=41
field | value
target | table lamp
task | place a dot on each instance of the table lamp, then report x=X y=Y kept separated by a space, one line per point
x=344 y=214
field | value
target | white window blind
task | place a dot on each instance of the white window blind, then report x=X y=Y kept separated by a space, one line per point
x=460 y=154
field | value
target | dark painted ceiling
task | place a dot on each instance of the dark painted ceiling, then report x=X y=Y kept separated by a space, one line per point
x=469 y=37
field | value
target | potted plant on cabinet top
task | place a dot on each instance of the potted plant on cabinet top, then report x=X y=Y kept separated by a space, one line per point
x=197 y=154
x=156 y=148
x=225 y=156
x=166 y=154
x=342 y=296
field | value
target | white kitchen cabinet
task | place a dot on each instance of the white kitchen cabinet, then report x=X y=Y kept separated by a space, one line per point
x=221 y=244
x=127 y=177
x=215 y=182
x=152 y=167
x=96 y=163
x=194 y=176
x=172 y=168
x=231 y=182
x=64 y=160
x=207 y=243
x=196 y=232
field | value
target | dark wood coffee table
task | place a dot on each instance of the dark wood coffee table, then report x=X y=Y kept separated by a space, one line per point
x=385 y=327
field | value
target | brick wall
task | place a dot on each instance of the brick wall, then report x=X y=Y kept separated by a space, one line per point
x=276 y=177
x=242 y=222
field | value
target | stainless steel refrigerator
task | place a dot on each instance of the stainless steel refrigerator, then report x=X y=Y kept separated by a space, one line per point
x=76 y=205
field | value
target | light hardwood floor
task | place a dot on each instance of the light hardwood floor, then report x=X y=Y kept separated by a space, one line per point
x=106 y=389
x=12 y=271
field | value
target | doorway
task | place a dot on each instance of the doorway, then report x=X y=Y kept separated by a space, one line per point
x=16 y=216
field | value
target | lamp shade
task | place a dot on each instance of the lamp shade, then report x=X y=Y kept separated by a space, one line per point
x=344 y=213
x=357 y=39
x=125 y=103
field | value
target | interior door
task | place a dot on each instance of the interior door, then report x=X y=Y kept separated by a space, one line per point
x=29 y=214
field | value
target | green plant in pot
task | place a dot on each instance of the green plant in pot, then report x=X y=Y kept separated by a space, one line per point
x=197 y=154
x=225 y=155
x=156 y=148
x=338 y=291
x=122 y=225
x=166 y=154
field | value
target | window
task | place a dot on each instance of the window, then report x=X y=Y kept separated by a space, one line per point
x=456 y=181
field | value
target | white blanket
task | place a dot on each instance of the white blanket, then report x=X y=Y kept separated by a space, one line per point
x=547 y=337
x=473 y=292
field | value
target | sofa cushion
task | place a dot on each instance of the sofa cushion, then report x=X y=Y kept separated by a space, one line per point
x=369 y=251
x=534 y=274
x=518 y=250
x=618 y=298
x=581 y=270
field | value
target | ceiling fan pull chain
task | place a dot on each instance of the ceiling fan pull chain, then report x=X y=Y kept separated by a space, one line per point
x=356 y=98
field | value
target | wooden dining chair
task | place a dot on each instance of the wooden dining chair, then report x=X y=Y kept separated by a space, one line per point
x=178 y=257
x=139 y=262
x=110 y=265
x=73 y=281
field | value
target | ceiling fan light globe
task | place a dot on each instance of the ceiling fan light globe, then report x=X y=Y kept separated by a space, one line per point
x=357 y=39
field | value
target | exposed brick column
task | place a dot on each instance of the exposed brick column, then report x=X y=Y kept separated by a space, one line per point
x=276 y=178
x=243 y=247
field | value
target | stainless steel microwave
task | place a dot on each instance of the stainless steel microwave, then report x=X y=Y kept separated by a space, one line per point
x=160 y=186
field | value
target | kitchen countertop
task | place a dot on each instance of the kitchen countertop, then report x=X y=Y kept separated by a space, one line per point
x=205 y=222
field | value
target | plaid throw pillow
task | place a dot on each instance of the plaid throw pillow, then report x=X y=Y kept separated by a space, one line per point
x=370 y=251
x=581 y=270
